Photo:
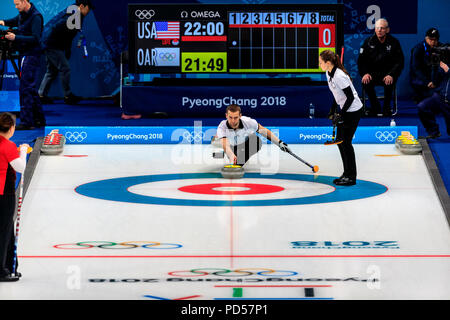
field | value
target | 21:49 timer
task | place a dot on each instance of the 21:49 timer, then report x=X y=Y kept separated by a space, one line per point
x=204 y=62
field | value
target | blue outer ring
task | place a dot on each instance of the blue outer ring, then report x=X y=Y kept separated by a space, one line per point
x=117 y=190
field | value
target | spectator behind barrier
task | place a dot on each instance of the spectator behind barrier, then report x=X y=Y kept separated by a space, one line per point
x=380 y=62
x=421 y=67
x=26 y=39
x=439 y=102
x=57 y=44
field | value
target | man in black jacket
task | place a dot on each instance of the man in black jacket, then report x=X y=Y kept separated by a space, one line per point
x=439 y=102
x=26 y=40
x=380 y=62
x=57 y=44
x=421 y=70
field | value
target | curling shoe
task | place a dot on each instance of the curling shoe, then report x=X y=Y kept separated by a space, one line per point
x=72 y=99
x=335 y=180
x=10 y=278
x=45 y=100
x=434 y=135
x=345 y=181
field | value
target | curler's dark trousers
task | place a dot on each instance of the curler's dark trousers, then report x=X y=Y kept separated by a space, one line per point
x=246 y=150
x=31 y=111
x=345 y=132
x=7 y=209
x=57 y=63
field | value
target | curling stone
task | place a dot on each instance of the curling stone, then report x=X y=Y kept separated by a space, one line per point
x=407 y=144
x=53 y=143
x=410 y=147
x=232 y=171
x=406 y=135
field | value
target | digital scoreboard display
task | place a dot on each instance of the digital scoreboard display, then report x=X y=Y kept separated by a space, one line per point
x=183 y=38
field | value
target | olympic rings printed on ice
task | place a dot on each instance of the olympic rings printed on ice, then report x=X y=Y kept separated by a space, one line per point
x=233 y=273
x=166 y=56
x=384 y=136
x=116 y=245
x=76 y=136
x=144 y=14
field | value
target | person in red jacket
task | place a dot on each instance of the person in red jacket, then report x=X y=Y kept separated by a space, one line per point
x=11 y=161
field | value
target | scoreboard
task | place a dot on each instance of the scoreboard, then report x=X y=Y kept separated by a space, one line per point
x=233 y=39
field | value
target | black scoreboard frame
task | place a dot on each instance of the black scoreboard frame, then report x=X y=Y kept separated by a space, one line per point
x=160 y=34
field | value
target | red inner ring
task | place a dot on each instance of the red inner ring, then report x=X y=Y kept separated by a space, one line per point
x=253 y=188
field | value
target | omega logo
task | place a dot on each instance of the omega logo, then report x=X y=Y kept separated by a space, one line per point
x=200 y=14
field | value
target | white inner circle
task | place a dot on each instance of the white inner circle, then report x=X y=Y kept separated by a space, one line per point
x=292 y=189
x=231 y=189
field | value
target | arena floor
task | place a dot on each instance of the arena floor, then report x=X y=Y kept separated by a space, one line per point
x=158 y=222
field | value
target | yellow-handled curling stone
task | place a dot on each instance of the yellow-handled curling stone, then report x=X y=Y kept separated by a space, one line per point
x=232 y=171
x=407 y=144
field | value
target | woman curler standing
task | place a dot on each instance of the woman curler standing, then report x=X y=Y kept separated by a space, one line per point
x=11 y=161
x=346 y=112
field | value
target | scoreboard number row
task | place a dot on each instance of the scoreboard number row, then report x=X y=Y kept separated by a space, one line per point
x=274 y=18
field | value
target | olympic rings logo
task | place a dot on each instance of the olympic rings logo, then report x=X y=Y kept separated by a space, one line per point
x=144 y=14
x=165 y=56
x=116 y=245
x=76 y=136
x=386 y=136
x=193 y=136
x=233 y=273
